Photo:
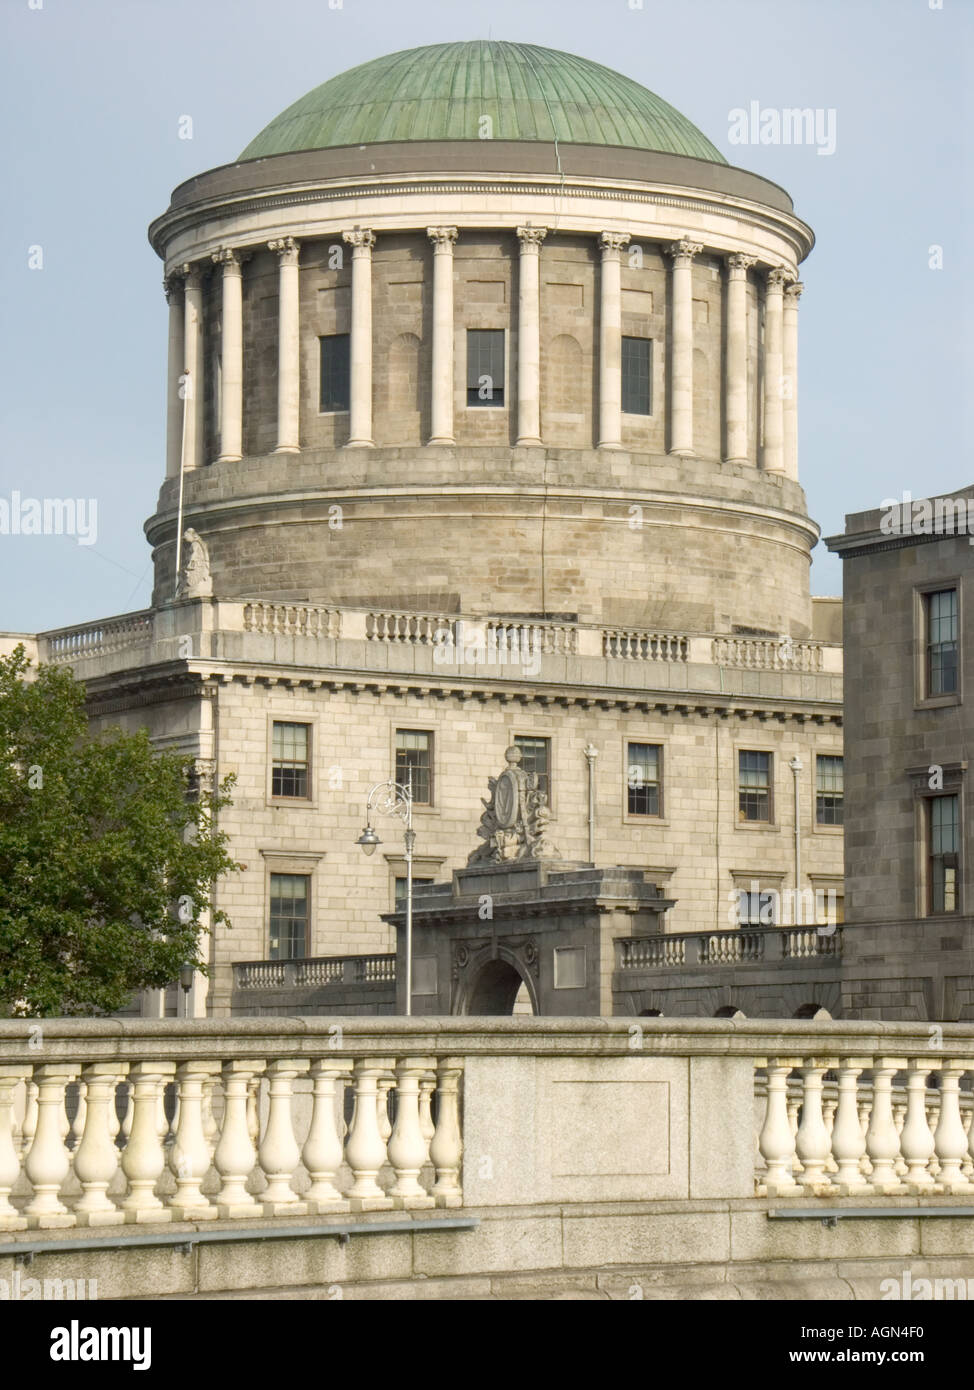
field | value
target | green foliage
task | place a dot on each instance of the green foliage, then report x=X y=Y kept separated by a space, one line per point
x=107 y=859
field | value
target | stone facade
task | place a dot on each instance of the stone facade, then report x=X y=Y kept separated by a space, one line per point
x=906 y=955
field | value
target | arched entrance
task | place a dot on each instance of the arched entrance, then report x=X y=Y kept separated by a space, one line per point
x=497 y=988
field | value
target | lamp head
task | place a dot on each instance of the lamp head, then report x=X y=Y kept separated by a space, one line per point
x=368 y=840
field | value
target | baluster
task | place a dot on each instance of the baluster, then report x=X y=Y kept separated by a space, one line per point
x=899 y=1117
x=323 y=1148
x=777 y=1140
x=253 y=1109
x=211 y=1130
x=365 y=1151
x=47 y=1163
x=446 y=1146
x=128 y=1112
x=383 y=1086
x=427 y=1085
x=848 y=1138
x=279 y=1154
x=10 y=1217
x=812 y=1140
x=932 y=1108
x=950 y=1139
x=189 y=1156
x=96 y=1158
x=143 y=1159
x=829 y=1106
x=407 y=1147
x=235 y=1155
x=970 y=1136
x=882 y=1141
x=114 y=1119
x=916 y=1139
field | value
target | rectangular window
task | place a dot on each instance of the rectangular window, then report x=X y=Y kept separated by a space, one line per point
x=335 y=388
x=289 y=916
x=636 y=363
x=400 y=891
x=289 y=770
x=754 y=786
x=485 y=366
x=944 y=849
x=536 y=757
x=414 y=763
x=643 y=782
x=941 y=624
x=828 y=790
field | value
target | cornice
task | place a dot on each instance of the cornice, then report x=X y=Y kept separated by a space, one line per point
x=161 y=527
x=199 y=680
x=873 y=542
x=176 y=222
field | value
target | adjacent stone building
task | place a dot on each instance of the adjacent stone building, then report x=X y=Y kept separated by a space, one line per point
x=908 y=573
x=482 y=404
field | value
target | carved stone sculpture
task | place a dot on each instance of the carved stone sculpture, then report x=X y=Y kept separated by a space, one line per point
x=514 y=823
x=195 y=580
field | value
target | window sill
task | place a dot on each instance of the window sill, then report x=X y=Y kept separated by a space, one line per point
x=939 y=701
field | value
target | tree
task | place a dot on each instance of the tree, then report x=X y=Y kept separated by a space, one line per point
x=108 y=853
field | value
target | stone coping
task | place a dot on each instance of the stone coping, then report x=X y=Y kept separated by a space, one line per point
x=77 y=1039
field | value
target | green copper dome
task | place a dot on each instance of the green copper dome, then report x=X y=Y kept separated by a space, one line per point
x=443 y=93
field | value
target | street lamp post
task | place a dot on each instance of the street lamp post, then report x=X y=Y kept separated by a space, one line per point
x=391 y=798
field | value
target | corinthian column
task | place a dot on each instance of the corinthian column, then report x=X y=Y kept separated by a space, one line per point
x=774 y=461
x=361 y=241
x=735 y=360
x=231 y=358
x=192 y=450
x=790 y=393
x=681 y=361
x=441 y=413
x=288 y=347
x=610 y=340
x=529 y=335
x=173 y=285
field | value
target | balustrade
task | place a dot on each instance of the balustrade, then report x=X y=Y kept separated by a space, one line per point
x=256 y=1138
x=928 y=1150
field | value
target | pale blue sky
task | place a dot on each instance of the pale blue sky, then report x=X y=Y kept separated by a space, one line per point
x=91 y=93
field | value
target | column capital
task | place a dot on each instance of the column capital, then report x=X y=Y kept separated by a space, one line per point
x=738 y=265
x=360 y=239
x=191 y=273
x=612 y=244
x=229 y=258
x=531 y=238
x=443 y=238
x=683 y=251
x=793 y=292
x=173 y=285
x=287 y=248
x=777 y=277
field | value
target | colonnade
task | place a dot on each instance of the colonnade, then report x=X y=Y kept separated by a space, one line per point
x=778 y=371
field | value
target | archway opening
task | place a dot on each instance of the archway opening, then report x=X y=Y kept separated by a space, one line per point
x=815 y=1011
x=496 y=991
x=729 y=1011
